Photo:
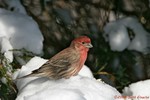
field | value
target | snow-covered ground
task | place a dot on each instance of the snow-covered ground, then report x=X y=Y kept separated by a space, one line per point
x=81 y=87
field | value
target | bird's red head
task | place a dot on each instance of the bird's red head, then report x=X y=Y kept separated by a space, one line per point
x=82 y=42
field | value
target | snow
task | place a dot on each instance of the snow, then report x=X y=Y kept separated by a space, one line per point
x=117 y=35
x=5 y=47
x=81 y=87
x=15 y=5
x=139 y=90
x=86 y=72
x=18 y=31
x=119 y=39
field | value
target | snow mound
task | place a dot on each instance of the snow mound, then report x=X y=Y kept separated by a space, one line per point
x=18 y=31
x=116 y=33
x=139 y=90
x=117 y=36
x=86 y=72
x=80 y=87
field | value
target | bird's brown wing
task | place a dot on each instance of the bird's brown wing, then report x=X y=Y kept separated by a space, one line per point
x=59 y=65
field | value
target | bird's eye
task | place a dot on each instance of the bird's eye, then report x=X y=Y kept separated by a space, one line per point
x=83 y=42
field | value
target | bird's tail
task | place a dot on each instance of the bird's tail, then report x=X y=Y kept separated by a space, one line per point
x=31 y=75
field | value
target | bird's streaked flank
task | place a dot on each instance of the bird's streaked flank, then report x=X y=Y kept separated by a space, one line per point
x=67 y=62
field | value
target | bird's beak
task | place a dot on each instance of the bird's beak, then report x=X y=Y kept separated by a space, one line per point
x=89 y=45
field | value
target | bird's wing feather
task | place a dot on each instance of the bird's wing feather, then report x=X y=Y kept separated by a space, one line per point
x=61 y=62
x=63 y=58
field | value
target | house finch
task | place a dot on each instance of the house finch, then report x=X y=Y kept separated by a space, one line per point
x=67 y=62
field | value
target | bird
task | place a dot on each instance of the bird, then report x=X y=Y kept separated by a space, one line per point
x=67 y=62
